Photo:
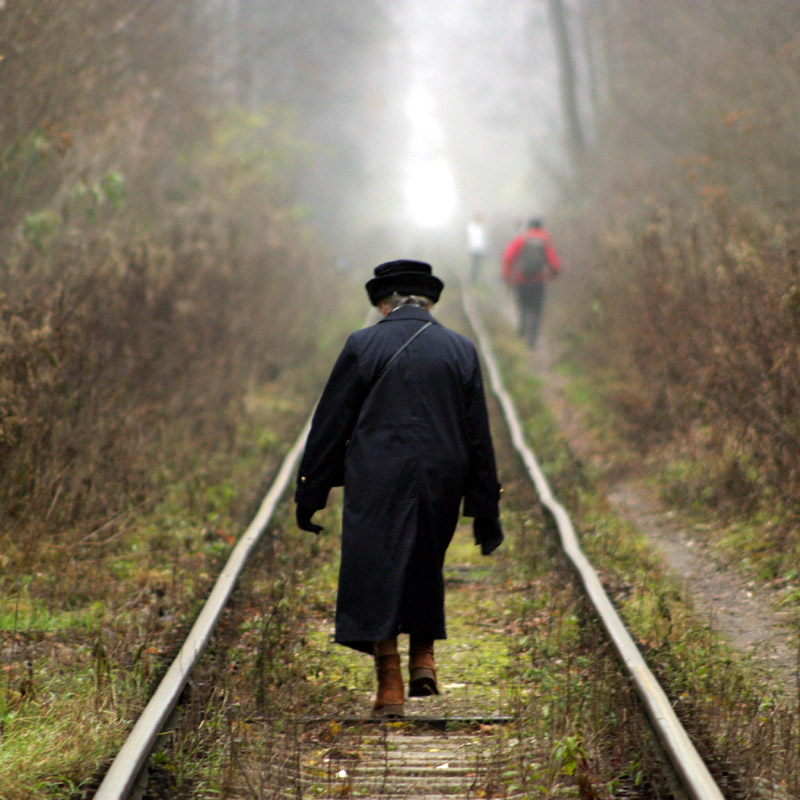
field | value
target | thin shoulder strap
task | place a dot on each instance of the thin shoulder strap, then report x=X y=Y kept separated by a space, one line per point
x=397 y=352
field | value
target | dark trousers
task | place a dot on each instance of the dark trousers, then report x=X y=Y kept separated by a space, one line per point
x=530 y=299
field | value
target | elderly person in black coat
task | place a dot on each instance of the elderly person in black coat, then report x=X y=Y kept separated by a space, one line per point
x=402 y=425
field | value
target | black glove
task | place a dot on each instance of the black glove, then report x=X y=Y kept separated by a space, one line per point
x=488 y=533
x=303 y=516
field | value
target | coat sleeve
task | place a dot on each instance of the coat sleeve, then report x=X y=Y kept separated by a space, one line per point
x=482 y=493
x=322 y=465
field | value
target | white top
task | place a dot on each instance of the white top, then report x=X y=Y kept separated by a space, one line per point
x=476 y=237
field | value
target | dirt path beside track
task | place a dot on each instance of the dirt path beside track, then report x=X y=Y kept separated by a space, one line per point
x=741 y=610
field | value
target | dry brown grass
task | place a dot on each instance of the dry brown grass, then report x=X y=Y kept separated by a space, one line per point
x=700 y=325
x=121 y=363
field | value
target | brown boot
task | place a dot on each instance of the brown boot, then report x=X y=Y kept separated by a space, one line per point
x=389 y=702
x=422 y=669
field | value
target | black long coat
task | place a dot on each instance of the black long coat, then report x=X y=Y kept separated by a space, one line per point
x=407 y=450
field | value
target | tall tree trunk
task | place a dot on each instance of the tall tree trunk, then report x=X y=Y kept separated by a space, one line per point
x=569 y=90
x=586 y=13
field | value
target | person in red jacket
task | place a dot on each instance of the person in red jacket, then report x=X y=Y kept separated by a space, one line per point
x=529 y=261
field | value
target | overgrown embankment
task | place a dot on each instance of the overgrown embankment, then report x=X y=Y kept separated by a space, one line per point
x=153 y=240
x=122 y=363
x=150 y=384
x=159 y=274
x=147 y=400
x=684 y=241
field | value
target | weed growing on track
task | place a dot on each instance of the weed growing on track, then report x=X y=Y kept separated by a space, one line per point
x=505 y=631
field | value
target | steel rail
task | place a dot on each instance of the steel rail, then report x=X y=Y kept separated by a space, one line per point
x=130 y=760
x=685 y=759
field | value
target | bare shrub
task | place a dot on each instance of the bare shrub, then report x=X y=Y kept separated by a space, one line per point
x=154 y=247
x=699 y=322
x=115 y=377
x=686 y=243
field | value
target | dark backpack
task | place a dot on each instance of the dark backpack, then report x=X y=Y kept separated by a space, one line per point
x=532 y=258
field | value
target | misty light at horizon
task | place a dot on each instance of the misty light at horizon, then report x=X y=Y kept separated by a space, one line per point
x=429 y=183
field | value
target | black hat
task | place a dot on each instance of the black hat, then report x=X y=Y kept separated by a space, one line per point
x=404 y=276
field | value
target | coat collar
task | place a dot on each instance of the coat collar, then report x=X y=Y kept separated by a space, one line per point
x=408 y=312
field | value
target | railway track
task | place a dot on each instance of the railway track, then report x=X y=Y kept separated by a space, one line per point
x=469 y=743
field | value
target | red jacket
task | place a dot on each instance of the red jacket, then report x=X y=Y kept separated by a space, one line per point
x=512 y=275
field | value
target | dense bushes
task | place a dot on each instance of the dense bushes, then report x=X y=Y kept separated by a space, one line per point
x=155 y=245
x=117 y=376
x=700 y=324
x=685 y=238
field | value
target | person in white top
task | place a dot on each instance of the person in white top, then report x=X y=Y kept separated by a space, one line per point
x=476 y=245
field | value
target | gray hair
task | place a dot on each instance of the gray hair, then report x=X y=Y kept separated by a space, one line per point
x=395 y=300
